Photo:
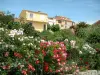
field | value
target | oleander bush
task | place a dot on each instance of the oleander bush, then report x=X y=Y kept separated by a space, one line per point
x=25 y=51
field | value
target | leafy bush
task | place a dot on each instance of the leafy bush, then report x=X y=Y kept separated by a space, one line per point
x=47 y=35
x=83 y=32
x=94 y=36
x=6 y=18
x=29 y=30
x=48 y=27
x=82 y=25
x=55 y=28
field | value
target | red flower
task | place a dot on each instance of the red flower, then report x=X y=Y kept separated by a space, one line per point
x=30 y=67
x=97 y=49
x=6 y=67
x=37 y=62
x=86 y=63
x=37 y=51
x=43 y=52
x=24 y=72
x=46 y=67
x=17 y=55
x=80 y=58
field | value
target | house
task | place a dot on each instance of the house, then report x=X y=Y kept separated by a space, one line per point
x=64 y=22
x=97 y=23
x=51 y=21
x=38 y=19
x=1 y=13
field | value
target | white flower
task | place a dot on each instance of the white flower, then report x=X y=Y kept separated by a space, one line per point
x=38 y=41
x=30 y=37
x=66 y=40
x=35 y=39
x=2 y=29
x=25 y=37
x=42 y=40
x=0 y=42
x=7 y=46
x=12 y=45
x=23 y=43
x=11 y=35
x=73 y=43
x=80 y=52
x=34 y=46
x=89 y=49
x=20 y=39
x=15 y=32
x=30 y=44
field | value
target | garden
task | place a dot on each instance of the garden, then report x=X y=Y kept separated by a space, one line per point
x=25 y=51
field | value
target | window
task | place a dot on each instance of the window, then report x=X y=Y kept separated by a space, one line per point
x=59 y=21
x=31 y=15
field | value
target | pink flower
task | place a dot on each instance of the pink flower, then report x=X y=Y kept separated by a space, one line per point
x=57 y=71
x=6 y=67
x=77 y=70
x=30 y=67
x=6 y=54
x=24 y=72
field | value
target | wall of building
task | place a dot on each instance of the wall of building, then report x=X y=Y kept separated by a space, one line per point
x=23 y=14
x=39 y=26
x=52 y=21
x=36 y=17
x=68 y=24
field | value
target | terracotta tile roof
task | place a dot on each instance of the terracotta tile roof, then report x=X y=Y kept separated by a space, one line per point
x=62 y=18
x=96 y=23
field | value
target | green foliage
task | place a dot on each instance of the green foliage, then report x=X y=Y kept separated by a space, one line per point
x=82 y=25
x=55 y=28
x=47 y=35
x=14 y=25
x=82 y=32
x=6 y=18
x=94 y=36
x=48 y=27
x=29 y=30
x=73 y=55
x=60 y=35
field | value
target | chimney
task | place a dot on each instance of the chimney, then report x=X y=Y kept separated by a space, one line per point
x=39 y=11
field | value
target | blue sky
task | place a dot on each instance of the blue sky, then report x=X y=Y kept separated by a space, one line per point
x=77 y=10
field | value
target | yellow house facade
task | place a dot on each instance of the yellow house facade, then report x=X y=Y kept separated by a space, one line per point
x=38 y=19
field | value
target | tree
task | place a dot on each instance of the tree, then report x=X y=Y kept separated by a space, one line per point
x=82 y=25
x=80 y=30
x=55 y=28
x=6 y=18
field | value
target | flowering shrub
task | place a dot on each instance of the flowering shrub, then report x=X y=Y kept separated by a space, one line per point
x=26 y=54
x=54 y=55
x=72 y=69
x=21 y=54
